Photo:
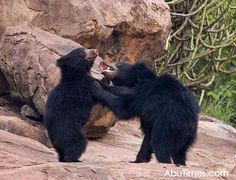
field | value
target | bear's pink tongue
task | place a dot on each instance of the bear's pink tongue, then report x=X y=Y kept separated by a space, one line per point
x=103 y=66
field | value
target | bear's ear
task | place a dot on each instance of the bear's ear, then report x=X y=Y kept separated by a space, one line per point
x=62 y=61
x=59 y=62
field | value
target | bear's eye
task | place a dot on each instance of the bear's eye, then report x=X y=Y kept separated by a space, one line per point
x=82 y=54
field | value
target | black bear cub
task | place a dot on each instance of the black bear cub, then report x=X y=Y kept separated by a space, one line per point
x=168 y=111
x=69 y=104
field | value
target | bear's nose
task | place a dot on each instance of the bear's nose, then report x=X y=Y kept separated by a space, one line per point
x=95 y=51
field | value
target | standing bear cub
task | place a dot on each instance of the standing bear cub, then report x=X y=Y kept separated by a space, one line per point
x=168 y=111
x=69 y=104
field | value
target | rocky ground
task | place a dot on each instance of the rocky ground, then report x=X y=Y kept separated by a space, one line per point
x=108 y=158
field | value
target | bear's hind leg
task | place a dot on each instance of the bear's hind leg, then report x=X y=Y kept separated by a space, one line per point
x=60 y=155
x=145 y=152
x=162 y=155
x=179 y=158
x=161 y=149
x=75 y=150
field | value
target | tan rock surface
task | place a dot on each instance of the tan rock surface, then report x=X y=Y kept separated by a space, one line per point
x=28 y=112
x=107 y=158
x=28 y=61
x=10 y=106
x=124 y=29
x=23 y=128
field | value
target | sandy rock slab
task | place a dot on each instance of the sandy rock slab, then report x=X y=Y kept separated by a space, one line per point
x=108 y=158
x=24 y=128
x=120 y=29
x=28 y=62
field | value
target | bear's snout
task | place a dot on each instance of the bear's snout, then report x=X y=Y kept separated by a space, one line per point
x=91 y=54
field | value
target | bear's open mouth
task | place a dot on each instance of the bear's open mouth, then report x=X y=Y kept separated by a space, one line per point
x=106 y=67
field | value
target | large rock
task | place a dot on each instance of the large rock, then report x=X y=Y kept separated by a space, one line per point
x=130 y=30
x=28 y=60
x=11 y=121
x=107 y=158
x=23 y=128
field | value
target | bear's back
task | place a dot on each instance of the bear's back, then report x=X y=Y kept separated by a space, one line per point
x=69 y=101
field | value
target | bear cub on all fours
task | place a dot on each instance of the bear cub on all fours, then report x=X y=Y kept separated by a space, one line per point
x=168 y=111
x=69 y=104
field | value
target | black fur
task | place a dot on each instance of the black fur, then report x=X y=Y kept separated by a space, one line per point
x=69 y=105
x=168 y=111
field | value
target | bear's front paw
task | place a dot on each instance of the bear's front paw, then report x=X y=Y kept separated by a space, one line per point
x=97 y=89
